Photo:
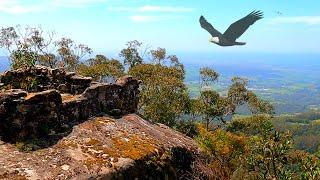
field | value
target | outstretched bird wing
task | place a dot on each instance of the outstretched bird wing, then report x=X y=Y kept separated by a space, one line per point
x=207 y=26
x=236 y=29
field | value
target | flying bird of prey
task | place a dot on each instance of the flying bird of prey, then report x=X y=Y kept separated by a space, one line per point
x=235 y=30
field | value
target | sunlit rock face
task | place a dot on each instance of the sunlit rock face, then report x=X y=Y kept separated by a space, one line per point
x=105 y=148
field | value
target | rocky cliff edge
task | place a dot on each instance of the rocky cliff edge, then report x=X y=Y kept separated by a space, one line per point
x=105 y=148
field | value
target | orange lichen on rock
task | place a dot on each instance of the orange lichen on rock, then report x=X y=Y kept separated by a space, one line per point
x=69 y=144
x=69 y=97
x=134 y=147
x=103 y=120
x=15 y=174
x=30 y=95
x=100 y=147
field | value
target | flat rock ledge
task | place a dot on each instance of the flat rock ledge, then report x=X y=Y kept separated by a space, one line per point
x=105 y=148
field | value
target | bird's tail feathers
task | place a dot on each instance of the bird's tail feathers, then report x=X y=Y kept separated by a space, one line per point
x=240 y=43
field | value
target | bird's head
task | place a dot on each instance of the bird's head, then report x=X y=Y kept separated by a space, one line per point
x=214 y=40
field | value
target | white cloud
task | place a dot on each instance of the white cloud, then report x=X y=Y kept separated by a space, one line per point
x=151 y=9
x=148 y=8
x=75 y=3
x=17 y=7
x=120 y=8
x=145 y=19
x=309 y=20
x=164 y=9
x=139 y=18
x=23 y=7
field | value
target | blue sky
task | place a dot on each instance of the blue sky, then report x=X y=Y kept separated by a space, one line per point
x=106 y=25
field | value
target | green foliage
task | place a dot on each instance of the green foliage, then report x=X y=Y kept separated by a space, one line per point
x=49 y=60
x=163 y=95
x=252 y=125
x=25 y=46
x=257 y=105
x=100 y=68
x=22 y=59
x=131 y=56
x=238 y=92
x=224 y=151
x=269 y=153
x=159 y=55
x=212 y=106
x=264 y=154
x=30 y=46
x=305 y=128
x=189 y=128
x=268 y=150
x=29 y=83
x=71 y=53
x=8 y=36
x=221 y=143
x=208 y=75
x=310 y=167
x=31 y=145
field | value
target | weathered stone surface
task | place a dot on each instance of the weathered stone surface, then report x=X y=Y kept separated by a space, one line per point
x=105 y=148
x=13 y=94
x=28 y=117
x=78 y=84
x=130 y=88
x=25 y=115
x=9 y=99
x=40 y=78
x=60 y=119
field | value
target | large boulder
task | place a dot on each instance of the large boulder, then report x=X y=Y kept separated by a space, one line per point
x=105 y=148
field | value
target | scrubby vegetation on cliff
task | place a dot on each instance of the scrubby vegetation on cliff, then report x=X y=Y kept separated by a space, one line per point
x=234 y=147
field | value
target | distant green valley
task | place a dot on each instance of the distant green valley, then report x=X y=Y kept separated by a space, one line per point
x=291 y=87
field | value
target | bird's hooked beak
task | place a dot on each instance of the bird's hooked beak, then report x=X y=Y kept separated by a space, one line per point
x=210 y=39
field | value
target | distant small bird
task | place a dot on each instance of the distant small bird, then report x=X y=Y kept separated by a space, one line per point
x=235 y=30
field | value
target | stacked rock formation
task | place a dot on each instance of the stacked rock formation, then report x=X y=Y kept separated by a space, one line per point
x=38 y=101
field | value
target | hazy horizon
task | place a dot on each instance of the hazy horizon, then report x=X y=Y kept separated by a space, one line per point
x=240 y=59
